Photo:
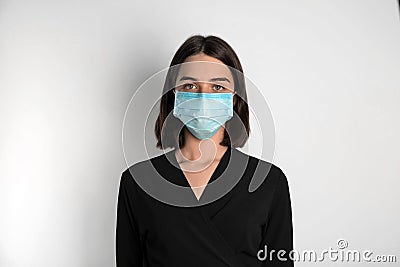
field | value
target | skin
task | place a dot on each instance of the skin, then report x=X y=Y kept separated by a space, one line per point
x=198 y=159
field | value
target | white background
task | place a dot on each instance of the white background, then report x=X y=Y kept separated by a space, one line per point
x=329 y=70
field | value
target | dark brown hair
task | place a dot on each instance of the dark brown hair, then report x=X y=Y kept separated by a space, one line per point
x=168 y=132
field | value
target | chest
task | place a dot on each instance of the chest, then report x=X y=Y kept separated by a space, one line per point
x=234 y=221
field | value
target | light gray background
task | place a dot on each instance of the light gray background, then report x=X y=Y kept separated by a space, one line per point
x=329 y=69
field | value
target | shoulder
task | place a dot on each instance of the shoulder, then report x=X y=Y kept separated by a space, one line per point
x=263 y=173
x=151 y=162
x=136 y=170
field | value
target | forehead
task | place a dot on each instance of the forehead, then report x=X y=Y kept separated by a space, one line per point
x=204 y=70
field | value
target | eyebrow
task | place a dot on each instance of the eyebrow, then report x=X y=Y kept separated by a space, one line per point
x=211 y=80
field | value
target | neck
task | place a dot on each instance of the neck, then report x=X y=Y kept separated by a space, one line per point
x=202 y=150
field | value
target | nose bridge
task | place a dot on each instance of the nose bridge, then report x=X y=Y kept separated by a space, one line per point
x=204 y=87
x=201 y=102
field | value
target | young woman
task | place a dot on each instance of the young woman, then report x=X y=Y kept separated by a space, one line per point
x=207 y=225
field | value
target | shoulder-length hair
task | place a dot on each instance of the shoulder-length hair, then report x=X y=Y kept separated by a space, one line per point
x=167 y=131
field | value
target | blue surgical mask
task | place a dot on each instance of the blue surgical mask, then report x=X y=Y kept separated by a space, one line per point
x=203 y=113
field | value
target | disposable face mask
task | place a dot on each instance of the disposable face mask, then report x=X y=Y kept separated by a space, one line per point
x=203 y=113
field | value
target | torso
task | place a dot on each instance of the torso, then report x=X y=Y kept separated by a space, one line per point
x=227 y=231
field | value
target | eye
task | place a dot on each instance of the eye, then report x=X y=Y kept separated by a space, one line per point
x=218 y=87
x=189 y=86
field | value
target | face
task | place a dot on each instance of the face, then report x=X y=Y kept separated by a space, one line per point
x=204 y=115
x=201 y=73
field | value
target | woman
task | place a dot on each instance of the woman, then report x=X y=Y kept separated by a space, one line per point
x=212 y=226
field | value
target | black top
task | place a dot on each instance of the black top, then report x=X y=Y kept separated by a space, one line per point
x=229 y=231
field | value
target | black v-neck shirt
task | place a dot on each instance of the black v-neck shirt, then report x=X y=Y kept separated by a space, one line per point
x=160 y=222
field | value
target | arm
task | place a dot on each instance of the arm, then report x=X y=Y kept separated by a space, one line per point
x=278 y=231
x=128 y=245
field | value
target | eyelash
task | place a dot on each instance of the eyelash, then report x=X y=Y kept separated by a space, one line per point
x=185 y=86
x=191 y=84
x=221 y=87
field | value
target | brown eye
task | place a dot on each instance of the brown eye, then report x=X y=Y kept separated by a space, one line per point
x=218 y=87
x=189 y=86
